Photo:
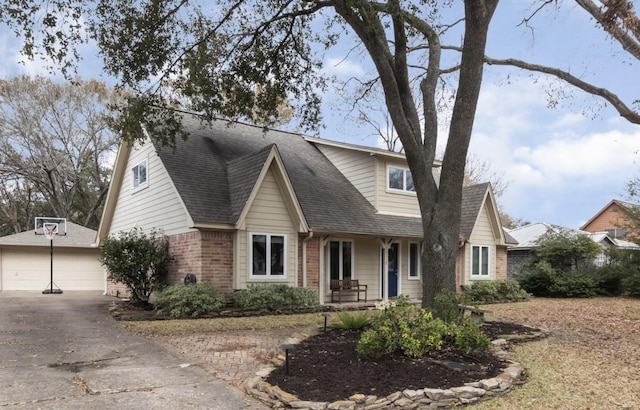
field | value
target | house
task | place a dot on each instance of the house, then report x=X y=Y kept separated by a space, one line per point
x=26 y=261
x=612 y=219
x=528 y=237
x=243 y=205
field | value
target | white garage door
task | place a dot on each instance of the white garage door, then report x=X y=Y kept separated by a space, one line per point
x=30 y=269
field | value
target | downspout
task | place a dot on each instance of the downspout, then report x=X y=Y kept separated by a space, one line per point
x=304 y=259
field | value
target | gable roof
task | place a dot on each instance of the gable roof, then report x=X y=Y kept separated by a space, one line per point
x=474 y=197
x=77 y=237
x=621 y=204
x=218 y=166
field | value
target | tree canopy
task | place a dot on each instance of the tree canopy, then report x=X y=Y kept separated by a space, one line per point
x=213 y=58
x=56 y=151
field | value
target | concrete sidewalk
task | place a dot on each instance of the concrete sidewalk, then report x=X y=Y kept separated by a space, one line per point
x=66 y=352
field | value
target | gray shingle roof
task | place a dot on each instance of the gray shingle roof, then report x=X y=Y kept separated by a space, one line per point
x=472 y=199
x=215 y=169
x=77 y=237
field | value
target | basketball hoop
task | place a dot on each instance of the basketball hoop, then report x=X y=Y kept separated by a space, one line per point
x=50 y=230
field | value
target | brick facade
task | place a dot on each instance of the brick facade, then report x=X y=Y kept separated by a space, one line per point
x=313 y=262
x=207 y=254
x=611 y=218
x=501 y=262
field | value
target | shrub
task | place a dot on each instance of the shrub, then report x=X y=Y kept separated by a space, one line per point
x=140 y=261
x=495 y=291
x=352 y=321
x=445 y=305
x=469 y=338
x=272 y=297
x=193 y=300
x=537 y=278
x=415 y=332
x=574 y=285
x=631 y=283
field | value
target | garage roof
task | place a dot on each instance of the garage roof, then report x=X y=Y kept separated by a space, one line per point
x=77 y=237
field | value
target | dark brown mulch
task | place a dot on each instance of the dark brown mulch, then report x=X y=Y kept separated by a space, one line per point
x=325 y=367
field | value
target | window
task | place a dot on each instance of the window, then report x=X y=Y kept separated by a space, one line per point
x=341 y=259
x=140 y=175
x=414 y=261
x=480 y=261
x=268 y=255
x=400 y=179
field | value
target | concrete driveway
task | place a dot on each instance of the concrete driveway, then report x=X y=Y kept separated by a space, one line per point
x=66 y=352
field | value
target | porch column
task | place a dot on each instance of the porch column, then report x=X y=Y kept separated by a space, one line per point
x=321 y=273
x=386 y=244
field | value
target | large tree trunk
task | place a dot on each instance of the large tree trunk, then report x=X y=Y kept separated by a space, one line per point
x=441 y=213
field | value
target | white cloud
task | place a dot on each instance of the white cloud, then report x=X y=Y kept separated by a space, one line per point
x=343 y=67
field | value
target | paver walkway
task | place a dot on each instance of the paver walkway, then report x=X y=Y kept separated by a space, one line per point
x=234 y=356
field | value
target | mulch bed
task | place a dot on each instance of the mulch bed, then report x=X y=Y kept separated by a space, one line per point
x=325 y=367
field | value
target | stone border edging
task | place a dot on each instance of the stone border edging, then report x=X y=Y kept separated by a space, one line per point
x=408 y=399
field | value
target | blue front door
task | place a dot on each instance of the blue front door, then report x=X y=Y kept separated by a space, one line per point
x=393 y=274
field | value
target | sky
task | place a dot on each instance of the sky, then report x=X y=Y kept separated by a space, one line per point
x=562 y=164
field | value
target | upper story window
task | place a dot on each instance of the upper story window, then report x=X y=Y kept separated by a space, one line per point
x=268 y=255
x=480 y=261
x=139 y=174
x=400 y=179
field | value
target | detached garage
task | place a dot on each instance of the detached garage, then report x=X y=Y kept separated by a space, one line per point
x=25 y=261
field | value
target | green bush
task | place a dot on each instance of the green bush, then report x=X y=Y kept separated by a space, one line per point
x=193 y=300
x=273 y=297
x=495 y=291
x=542 y=280
x=138 y=260
x=469 y=338
x=352 y=321
x=415 y=332
x=445 y=305
x=574 y=284
x=631 y=283
x=537 y=278
x=608 y=279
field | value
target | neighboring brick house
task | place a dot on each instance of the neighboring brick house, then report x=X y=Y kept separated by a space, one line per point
x=242 y=205
x=611 y=219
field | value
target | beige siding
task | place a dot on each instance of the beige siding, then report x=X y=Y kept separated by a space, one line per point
x=157 y=205
x=367 y=268
x=357 y=166
x=392 y=201
x=482 y=235
x=268 y=214
x=410 y=287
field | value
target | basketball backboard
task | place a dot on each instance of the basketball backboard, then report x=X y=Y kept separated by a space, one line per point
x=48 y=223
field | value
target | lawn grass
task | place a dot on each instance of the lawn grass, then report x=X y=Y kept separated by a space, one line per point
x=180 y=327
x=591 y=361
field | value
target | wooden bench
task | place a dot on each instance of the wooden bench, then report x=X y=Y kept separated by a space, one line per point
x=341 y=286
x=475 y=314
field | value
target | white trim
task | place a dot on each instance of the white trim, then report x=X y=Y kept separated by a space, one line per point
x=404 y=190
x=268 y=275
x=136 y=188
x=480 y=260
x=418 y=261
x=341 y=258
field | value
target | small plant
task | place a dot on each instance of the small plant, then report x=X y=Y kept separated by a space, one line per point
x=352 y=321
x=272 y=297
x=415 y=332
x=189 y=301
x=445 y=306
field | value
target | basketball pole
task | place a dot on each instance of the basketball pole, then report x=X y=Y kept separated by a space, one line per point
x=51 y=264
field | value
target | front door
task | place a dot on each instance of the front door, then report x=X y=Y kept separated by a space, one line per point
x=394 y=267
